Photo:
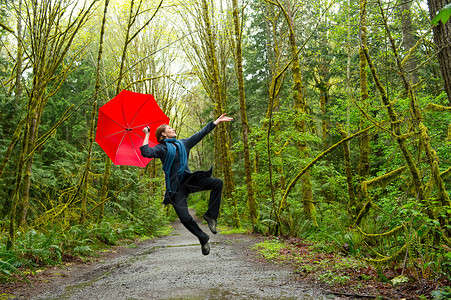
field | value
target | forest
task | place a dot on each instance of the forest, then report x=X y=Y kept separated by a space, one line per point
x=341 y=131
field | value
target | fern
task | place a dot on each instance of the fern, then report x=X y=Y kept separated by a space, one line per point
x=83 y=250
x=7 y=270
x=10 y=262
x=126 y=211
x=104 y=234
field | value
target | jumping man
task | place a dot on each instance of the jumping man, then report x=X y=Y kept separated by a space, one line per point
x=180 y=182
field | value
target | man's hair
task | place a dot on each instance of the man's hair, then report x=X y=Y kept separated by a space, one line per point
x=159 y=132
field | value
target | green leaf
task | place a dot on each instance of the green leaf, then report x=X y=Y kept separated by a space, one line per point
x=443 y=15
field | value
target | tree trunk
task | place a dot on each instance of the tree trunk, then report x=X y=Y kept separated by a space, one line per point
x=128 y=38
x=442 y=38
x=243 y=113
x=348 y=72
x=222 y=137
x=16 y=135
x=93 y=121
x=408 y=40
x=32 y=133
x=16 y=196
x=364 y=164
x=301 y=105
x=433 y=159
x=19 y=57
x=352 y=204
x=323 y=88
x=348 y=171
x=50 y=47
x=107 y=171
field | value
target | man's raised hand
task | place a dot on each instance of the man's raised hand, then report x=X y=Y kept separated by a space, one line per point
x=222 y=118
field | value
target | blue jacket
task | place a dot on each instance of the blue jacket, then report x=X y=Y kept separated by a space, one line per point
x=160 y=151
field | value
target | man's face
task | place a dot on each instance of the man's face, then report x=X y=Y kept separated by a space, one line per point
x=169 y=132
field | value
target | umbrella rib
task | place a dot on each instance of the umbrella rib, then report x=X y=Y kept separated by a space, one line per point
x=136 y=135
x=134 y=150
x=134 y=117
x=112 y=120
x=123 y=113
x=117 y=122
x=118 y=147
x=110 y=135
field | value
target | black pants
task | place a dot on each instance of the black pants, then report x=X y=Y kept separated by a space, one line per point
x=194 y=184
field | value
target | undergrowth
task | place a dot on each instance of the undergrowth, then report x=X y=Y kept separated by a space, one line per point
x=345 y=273
x=39 y=249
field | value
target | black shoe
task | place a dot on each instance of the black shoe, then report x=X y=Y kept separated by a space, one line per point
x=211 y=224
x=205 y=248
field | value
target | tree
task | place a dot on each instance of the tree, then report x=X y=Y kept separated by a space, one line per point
x=301 y=105
x=86 y=176
x=133 y=17
x=442 y=39
x=243 y=113
x=363 y=168
x=408 y=41
x=218 y=97
x=51 y=61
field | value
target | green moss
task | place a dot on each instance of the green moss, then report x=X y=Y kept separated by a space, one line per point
x=436 y=107
x=385 y=234
x=233 y=230
x=386 y=259
x=384 y=180
x=270 y=249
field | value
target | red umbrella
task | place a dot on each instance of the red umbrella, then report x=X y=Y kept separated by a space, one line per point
x=120 y=124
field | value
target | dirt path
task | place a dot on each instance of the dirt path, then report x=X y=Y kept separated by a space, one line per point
x=173 y=267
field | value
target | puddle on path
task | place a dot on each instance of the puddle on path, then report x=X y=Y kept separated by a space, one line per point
x=220 y=293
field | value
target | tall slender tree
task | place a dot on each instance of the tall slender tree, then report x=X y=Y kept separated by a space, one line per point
x=300 y=104
x=243 y=113
x=408 y=41
x=93 y=120
x=218 y=97
x=442 y=39
x=364 y=155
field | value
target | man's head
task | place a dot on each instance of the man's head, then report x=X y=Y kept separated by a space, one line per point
x=164 y=131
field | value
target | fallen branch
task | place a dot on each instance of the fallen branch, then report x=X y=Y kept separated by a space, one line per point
x=358 y=295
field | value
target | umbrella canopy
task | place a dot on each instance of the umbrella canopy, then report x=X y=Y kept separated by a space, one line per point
x=120 y=124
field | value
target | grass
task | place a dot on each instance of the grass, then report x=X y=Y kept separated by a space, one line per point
x=227 y=230
x=270 y=249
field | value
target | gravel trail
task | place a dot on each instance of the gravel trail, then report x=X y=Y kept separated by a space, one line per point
x=173 y=267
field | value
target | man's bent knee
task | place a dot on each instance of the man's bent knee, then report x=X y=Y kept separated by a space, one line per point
x=219 y=182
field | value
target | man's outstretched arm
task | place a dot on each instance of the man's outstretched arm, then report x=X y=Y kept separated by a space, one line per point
x=197 y=137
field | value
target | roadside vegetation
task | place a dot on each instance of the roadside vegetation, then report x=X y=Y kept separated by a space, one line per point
x=349 y=276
